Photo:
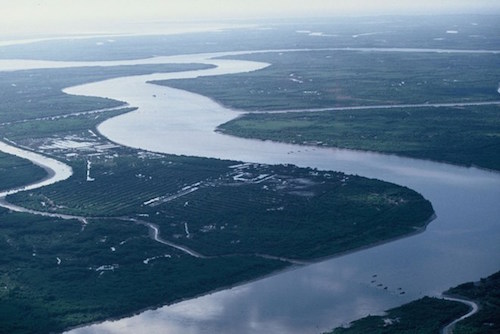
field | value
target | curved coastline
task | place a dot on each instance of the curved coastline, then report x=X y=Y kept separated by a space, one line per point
x=56 y=170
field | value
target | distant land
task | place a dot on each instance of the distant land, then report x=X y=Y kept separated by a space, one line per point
x=134 y=229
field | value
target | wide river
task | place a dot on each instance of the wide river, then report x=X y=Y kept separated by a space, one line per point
x=461 y=245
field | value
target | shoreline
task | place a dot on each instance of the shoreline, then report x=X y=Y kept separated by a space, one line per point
x=474 y=308
x=277 y=272
x=289 y=268
x=55 y=169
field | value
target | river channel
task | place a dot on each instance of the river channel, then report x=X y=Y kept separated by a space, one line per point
x=461 y=245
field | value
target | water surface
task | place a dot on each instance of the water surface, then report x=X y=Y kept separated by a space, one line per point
x=459 y=246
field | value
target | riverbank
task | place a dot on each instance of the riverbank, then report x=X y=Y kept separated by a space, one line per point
x=431 y=178
x=244 y=268
x=458 y=135
x=454 y=312
x=56 y=171
x=436 y=180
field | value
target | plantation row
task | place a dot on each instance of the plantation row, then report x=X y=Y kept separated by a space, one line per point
x=120 y=185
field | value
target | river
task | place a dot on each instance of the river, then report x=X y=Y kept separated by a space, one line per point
x=460 y=245
x=457 y=246
x=56 y=170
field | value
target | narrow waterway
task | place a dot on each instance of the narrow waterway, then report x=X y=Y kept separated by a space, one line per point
x=56 y=170
x=474 y=308
x=459 y=246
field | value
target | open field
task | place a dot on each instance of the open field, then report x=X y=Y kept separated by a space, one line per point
x=465 y=135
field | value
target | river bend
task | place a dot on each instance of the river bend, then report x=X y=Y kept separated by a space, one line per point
x=457 y=247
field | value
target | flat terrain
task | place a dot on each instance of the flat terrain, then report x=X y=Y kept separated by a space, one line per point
x=240 y=221
x=55 y=275
x=15 y=172
x=467 y=136
x=430 y=315
x=423 y=316
x=239 y=218
x=324 y=78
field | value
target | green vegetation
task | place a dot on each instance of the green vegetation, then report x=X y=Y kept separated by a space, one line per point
x=34 y=94
x=276 y=210
x=322 y=79
x=424 y=316
x=487 y=293
x=55 y=275
x=463 y=136
x=16 y=172
x=430 y=315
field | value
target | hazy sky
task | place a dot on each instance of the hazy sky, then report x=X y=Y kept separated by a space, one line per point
x=70 y=16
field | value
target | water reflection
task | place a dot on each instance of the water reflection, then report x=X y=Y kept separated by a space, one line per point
x=457 y=246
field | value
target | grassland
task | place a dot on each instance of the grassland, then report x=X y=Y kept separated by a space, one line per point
x=430 y=315
x=467 y=136
x=474 y=32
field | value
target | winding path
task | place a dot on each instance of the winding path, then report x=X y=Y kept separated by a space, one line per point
x=56 y=172
x=448 y=329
